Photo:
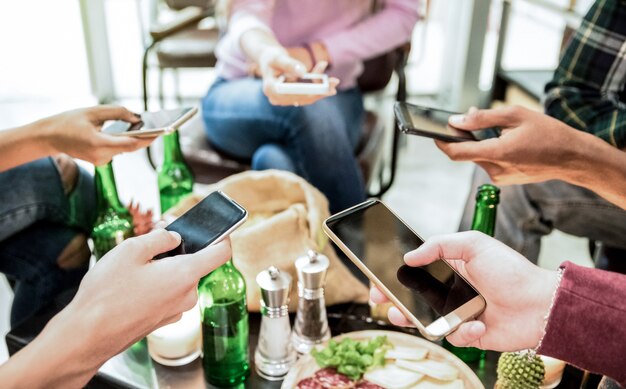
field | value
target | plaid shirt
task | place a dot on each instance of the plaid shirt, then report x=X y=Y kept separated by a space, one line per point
x=587 y=91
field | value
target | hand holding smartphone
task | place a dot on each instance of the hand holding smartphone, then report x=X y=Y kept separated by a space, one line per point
x=152 y=123
x=207 y=223
x=433 y=123
x=435 y=298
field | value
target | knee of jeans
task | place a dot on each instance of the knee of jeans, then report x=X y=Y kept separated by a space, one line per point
x=272 y=156
x=68 y=171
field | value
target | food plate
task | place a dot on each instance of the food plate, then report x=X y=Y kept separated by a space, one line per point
x=306 y=365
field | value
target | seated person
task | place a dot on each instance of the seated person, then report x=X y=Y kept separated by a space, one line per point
x=116 y=305
x=313 y=136
x=557 y=314
x=587 y=93
x=47 y=204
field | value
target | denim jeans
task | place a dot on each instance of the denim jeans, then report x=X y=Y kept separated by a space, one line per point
x=316 y=141
x=37 y=221
x=528 y=212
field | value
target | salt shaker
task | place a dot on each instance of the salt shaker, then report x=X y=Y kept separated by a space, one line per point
x=274 y=354
x=311 y=326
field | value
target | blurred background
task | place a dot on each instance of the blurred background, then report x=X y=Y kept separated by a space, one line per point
x=64 y=54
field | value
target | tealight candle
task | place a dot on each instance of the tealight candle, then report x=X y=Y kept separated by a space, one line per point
x=177 y=343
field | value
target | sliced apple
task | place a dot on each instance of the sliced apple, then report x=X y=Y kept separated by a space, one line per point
x=392 y=377
x=407 y=353
x=438 y=370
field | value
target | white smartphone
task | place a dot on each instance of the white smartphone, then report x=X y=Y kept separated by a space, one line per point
x=435 y=298
x=152 y=123
x=207 y=223
x=308 y=84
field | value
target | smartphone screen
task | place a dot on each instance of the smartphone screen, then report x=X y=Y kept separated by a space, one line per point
x=431 y=122
x=149 y=120
x=379 y=239
x=209 y=220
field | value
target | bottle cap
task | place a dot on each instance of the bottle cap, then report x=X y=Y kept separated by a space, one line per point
x=275 y=286
x=312 y=270
x=488 y=194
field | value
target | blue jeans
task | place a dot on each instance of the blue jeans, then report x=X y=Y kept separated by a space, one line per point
x=316 y=141
x=528 y=212
x=37 y=221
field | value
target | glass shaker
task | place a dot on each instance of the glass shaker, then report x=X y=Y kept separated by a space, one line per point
x=311 y=326
x=274 y=354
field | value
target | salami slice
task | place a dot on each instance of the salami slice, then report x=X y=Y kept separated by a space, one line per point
x=309 y=383
x=330 y=379
x=367 y=385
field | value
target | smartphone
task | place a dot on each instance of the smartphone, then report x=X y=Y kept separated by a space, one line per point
x=433 y=297
x=433 y=123
x=308 y=84
x=152 y=123
x=207 y=223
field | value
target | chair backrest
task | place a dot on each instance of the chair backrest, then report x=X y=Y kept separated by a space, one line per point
x=377 y=71
x=180 y=4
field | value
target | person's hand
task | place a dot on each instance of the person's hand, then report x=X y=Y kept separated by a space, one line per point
x=78 y=134
x=518 y=293
x=127 y=295
x=533 y=147
x=276 y=62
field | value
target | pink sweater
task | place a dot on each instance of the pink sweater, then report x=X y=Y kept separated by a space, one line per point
x=348 y=28
x=587 y=325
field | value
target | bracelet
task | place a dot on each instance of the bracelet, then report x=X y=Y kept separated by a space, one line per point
x=532 y=353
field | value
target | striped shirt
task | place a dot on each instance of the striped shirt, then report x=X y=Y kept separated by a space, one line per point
x=587 y=91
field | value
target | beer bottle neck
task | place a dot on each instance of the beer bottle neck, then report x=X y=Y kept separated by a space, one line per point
x=171 y=148
x=485 y=219
x=106 y=190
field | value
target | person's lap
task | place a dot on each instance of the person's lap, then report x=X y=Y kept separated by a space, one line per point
x=37 y=222
x=528 y=212
x=315 y=141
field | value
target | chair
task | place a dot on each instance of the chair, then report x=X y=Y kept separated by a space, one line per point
x=182 y=42
x=210 y=165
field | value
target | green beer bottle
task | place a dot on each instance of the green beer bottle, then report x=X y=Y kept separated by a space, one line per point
x=113 y=223
x=222 y=299
x=175 y=178
x=487 y=199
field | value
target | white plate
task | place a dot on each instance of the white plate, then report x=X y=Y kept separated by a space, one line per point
x=306 y=365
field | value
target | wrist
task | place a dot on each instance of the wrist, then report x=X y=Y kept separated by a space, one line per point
x=44 y=136
x=548 y=288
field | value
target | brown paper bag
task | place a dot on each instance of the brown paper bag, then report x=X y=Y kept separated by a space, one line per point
x=285 y=216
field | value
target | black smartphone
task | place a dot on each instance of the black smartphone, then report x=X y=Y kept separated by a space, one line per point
x=152 y=123
x=433 y=123
x=434 y=297
x=208 y=222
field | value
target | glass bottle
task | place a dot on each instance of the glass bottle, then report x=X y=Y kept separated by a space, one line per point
x=174 y=177
x=487 y=199
x=222 y=299
x=114 y=222
x=311 y=325
x=274 y=354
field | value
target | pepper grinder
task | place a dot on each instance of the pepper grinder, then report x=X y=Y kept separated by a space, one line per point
x=311 y=326
x=274 y=354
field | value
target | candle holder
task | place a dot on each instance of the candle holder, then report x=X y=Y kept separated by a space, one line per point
x=178 y=343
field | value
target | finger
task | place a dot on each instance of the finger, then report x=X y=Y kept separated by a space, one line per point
x=468 y=334
x=319 y=67
x=397 y=318
x=148 y=246
x=458 y=246
x=377 y=297
x=161 y=224
x=470 y=151
x=485 y=118
x=123 y=144
x=289 y=66
x=113 y=112
x=206 y=260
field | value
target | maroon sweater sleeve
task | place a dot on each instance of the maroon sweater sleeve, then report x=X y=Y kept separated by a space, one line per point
x=587 y=324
